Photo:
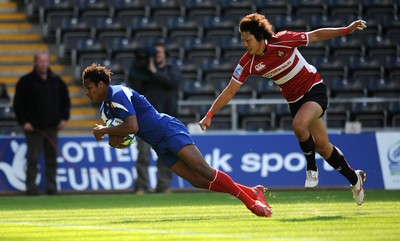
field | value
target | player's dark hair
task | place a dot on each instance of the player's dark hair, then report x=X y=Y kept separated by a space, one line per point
x=97 y=73
x=257 y=25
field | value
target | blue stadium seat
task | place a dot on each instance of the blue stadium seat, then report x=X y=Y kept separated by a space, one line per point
x=162 y=10
x=337 y=115
x=182 y=28
x=371 y=115
x=146 y=31
x=218 y=28
x=394 y=114
x=200 y=9
x=237 y=9
x=274 y=10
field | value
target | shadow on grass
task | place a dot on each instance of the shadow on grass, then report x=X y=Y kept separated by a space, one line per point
x=312 y=219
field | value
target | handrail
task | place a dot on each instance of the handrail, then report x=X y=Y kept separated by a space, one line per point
x=234 y=103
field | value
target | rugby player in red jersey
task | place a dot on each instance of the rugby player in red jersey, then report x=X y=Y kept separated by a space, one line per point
x=275 y=56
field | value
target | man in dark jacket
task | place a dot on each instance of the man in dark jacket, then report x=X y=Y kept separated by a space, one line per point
x=157 y=79
x=42 y=107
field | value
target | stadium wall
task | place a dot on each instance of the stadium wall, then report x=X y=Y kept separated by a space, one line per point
x=274 y=160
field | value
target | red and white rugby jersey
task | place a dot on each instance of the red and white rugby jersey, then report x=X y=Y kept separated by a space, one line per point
x=282 y=63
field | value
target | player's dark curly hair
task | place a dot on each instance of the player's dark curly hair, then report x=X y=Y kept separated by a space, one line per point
x=97 y=73
x=257 y=25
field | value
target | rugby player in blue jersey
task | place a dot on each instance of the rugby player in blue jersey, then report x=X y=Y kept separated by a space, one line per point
x=167 y=135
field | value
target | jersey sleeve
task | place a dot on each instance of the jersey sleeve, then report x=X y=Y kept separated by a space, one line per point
x=122 y=104
x=291 y=39
x=241 y=71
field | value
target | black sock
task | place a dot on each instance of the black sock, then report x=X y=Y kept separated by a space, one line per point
x=337 y=161
x=308 y=148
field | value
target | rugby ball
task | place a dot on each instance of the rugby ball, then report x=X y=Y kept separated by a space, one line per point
x=129 y=139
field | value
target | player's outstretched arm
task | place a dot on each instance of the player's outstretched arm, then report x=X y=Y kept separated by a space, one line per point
x=329 y=33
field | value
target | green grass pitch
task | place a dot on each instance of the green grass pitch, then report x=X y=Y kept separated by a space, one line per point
x=297 y=215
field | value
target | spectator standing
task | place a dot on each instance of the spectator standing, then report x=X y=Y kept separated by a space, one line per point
x=156 y=78
x=42 y=107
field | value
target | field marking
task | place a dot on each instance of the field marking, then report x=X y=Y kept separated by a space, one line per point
x=156 y=231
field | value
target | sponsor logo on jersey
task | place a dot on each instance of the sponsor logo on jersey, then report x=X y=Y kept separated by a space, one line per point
x=260 y=66
x=238 y=71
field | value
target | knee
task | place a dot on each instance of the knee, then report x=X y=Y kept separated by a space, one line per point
x=300 y=129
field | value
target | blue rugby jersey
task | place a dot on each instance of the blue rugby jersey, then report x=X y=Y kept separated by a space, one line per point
x=122 y=102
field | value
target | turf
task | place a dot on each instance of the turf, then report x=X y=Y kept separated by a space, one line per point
x=298 y=215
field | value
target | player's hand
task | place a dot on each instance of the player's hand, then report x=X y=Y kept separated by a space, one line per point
x=115 y=141
x=356 y=25
x=98 y=132
x=205 y=123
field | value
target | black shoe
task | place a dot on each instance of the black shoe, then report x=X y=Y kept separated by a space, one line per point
x=32 y=192
x=51 y=192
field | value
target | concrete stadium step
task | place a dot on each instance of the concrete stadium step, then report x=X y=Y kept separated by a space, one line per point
x=8 y=7
x=23 y=69
x=19 y=37
x=26 y=48
x=88 y=111
x=21 y=59
x=12 y=17
x=12 y=80
x=81 y=126
x=80 y=101
x=73 y=91
x=15 y=27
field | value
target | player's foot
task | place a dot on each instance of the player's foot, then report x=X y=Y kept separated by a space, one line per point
x=311 y=179
x=358 y=190
x=260 y=191
x=260 y=209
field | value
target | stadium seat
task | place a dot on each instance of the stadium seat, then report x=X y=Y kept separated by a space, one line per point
x=219 y=28
x=283 y=118
x=199 y=48
x=109 y=28
x=236 y=10
x=123 y=46
x=87 y=49
x=394 y=114
x=380 y=47
x=371 y=115
x=73 y=27
x=198 y=10
x=189 y=70
x=197 y=90
x=384 y=87
x=337 y=115
x=310 y=10
x=345 y=47
x=92 y=8
x=256 y=117
x=162 y=10
x=274 y=9
x=146 y=31
x=345 y=10
x=364 y=66
x=182 y=28
x=379 y=10
x=51 y=15
x=347 y=88
x=188 y=114
x=127 y=10
x=292 y=23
